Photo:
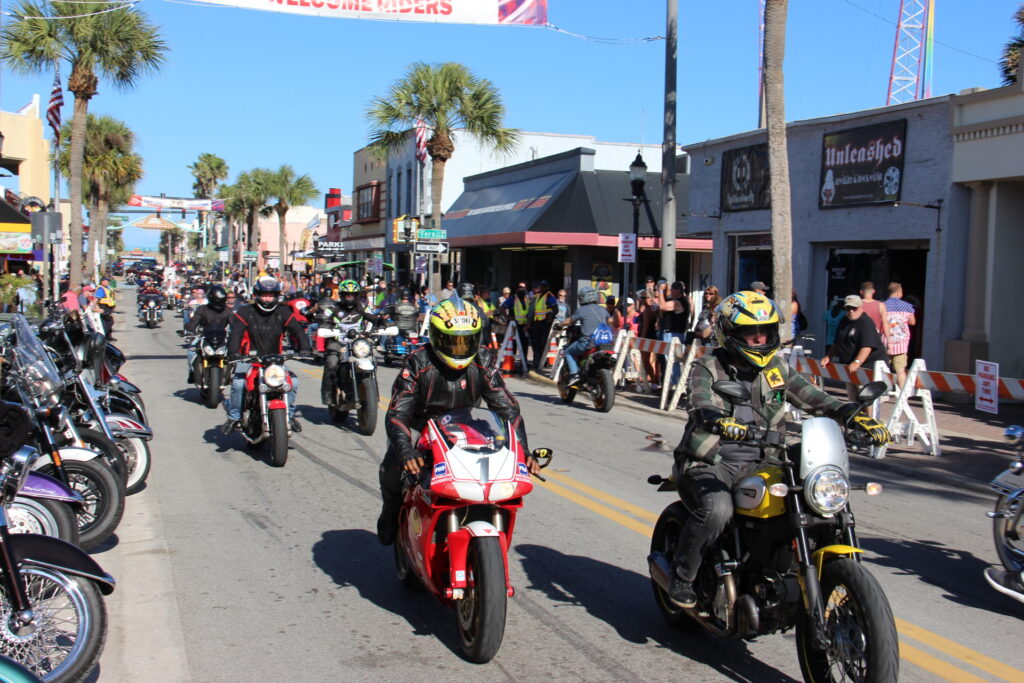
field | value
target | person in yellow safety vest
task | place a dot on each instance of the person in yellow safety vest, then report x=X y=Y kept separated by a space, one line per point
x=105 y=300
x=483 y=302
x=542 y=314
x=519 y=305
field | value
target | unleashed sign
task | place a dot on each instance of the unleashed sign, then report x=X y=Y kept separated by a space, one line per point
x=862 y=165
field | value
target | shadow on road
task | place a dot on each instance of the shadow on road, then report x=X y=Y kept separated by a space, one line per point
x=623 y=599
x=354 y=557
x=957 y=572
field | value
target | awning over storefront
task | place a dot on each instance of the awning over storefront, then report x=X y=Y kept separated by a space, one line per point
x=15 y=231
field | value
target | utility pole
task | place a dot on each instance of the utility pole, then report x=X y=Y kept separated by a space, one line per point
x=668 y=147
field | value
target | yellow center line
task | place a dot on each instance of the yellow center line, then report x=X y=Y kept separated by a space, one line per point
x=908 y=652
x=976 y=659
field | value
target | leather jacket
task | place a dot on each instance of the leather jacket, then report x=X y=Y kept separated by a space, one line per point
x=427 y=388
x=404 y=313
x=209 y=320
x=331 y=313
x=253 y=330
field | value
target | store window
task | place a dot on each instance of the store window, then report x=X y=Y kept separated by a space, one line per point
x=751 y=259
x=368 y=203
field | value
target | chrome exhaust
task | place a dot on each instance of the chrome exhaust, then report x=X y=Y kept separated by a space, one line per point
x=660 y=569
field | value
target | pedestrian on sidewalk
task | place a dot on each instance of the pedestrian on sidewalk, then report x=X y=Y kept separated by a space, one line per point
x=706 y=318
x=857 y=342
x=900 y=318
x=875 y=309
x=648 y=330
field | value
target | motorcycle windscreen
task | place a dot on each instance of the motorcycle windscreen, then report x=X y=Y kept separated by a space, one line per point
x=479 y=461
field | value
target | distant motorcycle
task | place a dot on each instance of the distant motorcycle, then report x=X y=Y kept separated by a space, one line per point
x=151 y=314
x=395 y=347
x=208 y=370
x=596 y=373
x=356 y=378
x=1008 y=522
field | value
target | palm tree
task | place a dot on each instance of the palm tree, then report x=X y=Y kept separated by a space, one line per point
x=778 y=160
x=1010 y=60
x=445 y=97
x=246 y=198
x=110 y=169
x=208 y=170
x=120 y=45
x=289 y=190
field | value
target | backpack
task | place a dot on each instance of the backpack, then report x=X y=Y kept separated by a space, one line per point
x=602 y=335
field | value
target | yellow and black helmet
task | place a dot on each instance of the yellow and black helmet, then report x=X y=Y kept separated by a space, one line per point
x=740 y=314
x=349 y=286
x=455 y=330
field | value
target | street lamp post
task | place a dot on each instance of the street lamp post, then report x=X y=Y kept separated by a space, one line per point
x=407 y=222
x=637 y=178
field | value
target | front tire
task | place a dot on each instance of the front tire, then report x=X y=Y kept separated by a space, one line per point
x=337 y=414
x=1008 y=533
x=604 y=391
x=108 y=450
x=211 y=399
x=667 y=533
x=278 y=437
x=150 y=324
x=480 y=614
x=863 y=645
x=42 y=516
x=104 y=500
x=71 y=625
x=136 y=453
x=564 y=392
x=367 y=406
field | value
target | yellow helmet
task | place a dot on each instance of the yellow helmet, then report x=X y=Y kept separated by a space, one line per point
x=455 y=329
x=741 y=313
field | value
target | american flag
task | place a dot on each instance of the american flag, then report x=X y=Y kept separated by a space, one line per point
x=53 y=111
x=421 y=141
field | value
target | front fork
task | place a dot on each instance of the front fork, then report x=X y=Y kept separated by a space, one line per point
x=813 y=599
x=20 y=621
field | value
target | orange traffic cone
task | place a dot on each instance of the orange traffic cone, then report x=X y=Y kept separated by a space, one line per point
x=508 y=361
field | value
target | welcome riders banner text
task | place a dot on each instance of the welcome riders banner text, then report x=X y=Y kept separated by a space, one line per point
x=530 y=12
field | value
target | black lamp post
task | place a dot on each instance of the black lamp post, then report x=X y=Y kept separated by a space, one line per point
x=637 y=178
x=407 y=226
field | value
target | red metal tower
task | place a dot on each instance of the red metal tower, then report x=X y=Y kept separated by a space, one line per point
x=910 y=74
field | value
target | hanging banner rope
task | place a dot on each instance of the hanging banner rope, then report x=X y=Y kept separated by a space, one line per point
x=522 y=12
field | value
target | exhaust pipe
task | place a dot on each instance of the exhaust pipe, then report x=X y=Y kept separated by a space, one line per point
x=660 y=569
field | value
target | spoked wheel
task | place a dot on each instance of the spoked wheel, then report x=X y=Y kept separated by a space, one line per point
x=104 y=500
x=70 y=626
x=564 y=392
x=665 y=539
x=480 y=614
x=367 y=405
x=136 y=455
x=862 y=641
x=42 y=516
x=1008 y=533
x=278 y=437
x=604 y=391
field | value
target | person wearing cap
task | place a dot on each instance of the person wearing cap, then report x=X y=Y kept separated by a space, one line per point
x=759 y=287
x=541 y=314
x=857 y=341
x=675 y=316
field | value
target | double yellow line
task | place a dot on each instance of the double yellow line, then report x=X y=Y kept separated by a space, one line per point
x=642 y=521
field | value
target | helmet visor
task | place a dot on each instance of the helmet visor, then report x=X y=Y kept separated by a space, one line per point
x=457 y=346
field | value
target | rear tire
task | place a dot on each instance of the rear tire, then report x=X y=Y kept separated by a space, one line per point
x=42 y=516
x=480 y=615
x=665 y=540
x=104 y=500
x=604 y=391
x=278 y=437
x=367 y=406
x=213 y=379
x=1009 y=534
x=863 y=642
x=402 y=566
x=564 y=392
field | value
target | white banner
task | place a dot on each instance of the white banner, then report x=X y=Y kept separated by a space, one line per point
x=531 y=12
x=176 y=203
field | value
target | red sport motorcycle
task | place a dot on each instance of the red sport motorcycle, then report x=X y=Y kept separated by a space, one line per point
x=457 y=518
x=264 y=416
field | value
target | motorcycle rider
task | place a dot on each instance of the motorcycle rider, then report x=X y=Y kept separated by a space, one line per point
x=449 y=372
x=345 y=313
x=467 y=292
x=590 y=315
x=404 y=313
x=212 y=316
x=150 y=291
x=711 y=457
x=261 y=327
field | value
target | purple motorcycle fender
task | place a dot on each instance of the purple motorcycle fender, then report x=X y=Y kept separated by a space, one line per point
x=39 y=485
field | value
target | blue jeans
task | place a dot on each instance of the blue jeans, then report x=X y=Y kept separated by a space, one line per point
x=238 y=388
x=574 y=351
x=193 y=350
x=676 y=369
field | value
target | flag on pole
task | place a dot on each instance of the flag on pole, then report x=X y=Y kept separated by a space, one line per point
x=53 y=111
x=421 y=141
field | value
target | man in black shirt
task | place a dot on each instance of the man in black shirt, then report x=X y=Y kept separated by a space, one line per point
x=857 y=341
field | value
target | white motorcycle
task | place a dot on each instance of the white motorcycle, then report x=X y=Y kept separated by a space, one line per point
x=1008 y=523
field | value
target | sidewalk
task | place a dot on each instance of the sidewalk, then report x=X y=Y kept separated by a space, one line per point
x=973 y=449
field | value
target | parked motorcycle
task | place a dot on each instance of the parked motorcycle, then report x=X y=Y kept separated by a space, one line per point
x=264 y=417
x=208 y=369
x=356 y=378
x=151 y=314
x=597 y=378
x=1008 y=522
x=790 y=557
x=456 y=521
x=54 y=619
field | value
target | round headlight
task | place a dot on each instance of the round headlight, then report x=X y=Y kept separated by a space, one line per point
x=827 y=490
x=361 y=348
x=274 y=376
x=151 y=304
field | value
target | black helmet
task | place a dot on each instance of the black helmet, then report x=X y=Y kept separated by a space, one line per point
x=266 y=285
x=465 y=290
x=404 y=293
x=216 y=298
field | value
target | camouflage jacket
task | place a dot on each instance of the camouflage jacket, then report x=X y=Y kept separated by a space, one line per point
x=771 y=389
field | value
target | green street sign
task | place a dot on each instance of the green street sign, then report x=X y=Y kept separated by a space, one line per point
x=433 y=234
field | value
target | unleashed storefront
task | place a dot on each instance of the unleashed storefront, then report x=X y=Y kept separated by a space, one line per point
x=557 y=219
x=872 y=199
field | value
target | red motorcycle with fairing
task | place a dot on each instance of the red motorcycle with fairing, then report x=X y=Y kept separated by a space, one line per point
x=457 y=518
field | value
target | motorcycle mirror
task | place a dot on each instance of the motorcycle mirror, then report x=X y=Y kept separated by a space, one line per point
x=1013 y=433
x=542 y=456
x=734 y=392
x=870 y=391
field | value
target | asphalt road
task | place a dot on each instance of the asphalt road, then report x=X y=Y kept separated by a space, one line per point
x=231 y=570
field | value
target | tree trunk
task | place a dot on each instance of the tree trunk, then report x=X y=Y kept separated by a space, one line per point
x=436 y=182
x=281 y=237
x=778 y=161
x=90 y=260
x=102 y=216
x=75 y=185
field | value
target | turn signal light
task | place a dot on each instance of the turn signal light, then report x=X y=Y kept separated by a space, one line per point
x=778 y=490
x=872 y=488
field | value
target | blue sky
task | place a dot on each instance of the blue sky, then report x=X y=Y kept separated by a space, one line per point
x=263 y=88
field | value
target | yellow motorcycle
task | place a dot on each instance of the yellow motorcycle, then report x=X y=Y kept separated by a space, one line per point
x=790 y=556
